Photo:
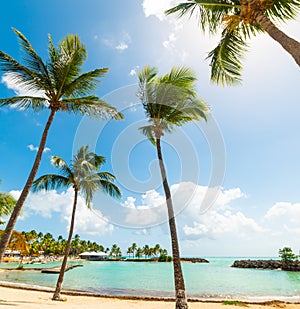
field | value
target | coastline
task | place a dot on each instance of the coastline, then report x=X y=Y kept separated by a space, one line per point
x=33 y=297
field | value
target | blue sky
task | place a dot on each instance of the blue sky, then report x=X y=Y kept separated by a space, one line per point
x=253 y=132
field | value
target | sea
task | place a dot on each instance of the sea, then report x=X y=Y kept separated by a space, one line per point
x=215 y=280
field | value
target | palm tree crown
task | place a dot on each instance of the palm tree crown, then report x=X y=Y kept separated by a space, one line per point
x=239 y=19
x=58 y=83
x=82 y=175
x=169 y=101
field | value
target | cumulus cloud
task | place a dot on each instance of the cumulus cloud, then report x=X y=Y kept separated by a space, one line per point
x=188 y=197
x=283 y=210
x=36 y=148
x=157 y=8
x=47 y=203
x=149 y=212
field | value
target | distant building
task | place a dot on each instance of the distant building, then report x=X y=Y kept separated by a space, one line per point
x=93 y=256
x=12 y=253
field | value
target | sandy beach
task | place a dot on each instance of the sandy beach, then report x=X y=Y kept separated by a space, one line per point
x=28 y=299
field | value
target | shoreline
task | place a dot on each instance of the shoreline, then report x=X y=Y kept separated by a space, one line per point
x=145 y=298
x=33 y=298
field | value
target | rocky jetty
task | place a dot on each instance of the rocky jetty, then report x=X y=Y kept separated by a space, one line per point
x=267 y=264
x=194 y=260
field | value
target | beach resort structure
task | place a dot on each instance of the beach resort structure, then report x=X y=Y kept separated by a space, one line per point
x=93 y=256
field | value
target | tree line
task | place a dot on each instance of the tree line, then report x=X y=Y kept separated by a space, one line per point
x=35 y=243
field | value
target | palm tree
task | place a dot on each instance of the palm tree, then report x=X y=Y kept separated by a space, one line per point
x=239 y=20
x=129 y=251
x=84 y=177
x=169 y=101
x=63 y=88
x=133 y=248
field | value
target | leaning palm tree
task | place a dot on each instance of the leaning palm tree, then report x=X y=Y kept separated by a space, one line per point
x=84 y=177
x=239 y=20
x=169 y=101
x=58 y=85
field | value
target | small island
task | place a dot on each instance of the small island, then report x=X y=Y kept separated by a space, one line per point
x=288 y=262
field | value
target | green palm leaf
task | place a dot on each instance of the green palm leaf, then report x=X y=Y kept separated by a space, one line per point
x=50 y=182
x=91 y=106
x=25 y=102
x=226 y=58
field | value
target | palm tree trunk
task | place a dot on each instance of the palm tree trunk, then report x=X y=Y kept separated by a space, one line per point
x=56 y=295
x=181 y=300
x=290 y=45
x=17 y=209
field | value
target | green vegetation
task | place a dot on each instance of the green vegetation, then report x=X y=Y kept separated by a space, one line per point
x=239 y=21
x=234 y=303
x=146 y=251
x=287 y=256
x=169 y=101
x=7 y=204
x=164 y=258
x=63 y=88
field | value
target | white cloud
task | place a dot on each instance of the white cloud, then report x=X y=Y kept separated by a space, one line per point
x=9 y=81
x=158 y=8
x=119 y=44
x=284 y=211
x=46 y=203
x=187 y=197
x=122 y=46
x=132 y=72
x=36 y=148
x=169 y=44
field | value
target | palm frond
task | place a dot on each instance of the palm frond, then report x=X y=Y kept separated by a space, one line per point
x=283 y=10
x=50 y=182
x=149 y=133
x=25 y=102
x=33 y=60
x=7 y=204
x=110 y=188
x=22 y=76
x=209 y=13
x=85 y=83
x=106 y=176
x=62 y=165
x=91 y=106
x=226 y=58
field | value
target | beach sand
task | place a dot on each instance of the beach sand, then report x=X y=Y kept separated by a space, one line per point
x=27 y=299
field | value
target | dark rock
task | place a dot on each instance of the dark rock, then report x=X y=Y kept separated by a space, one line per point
x=267 y=264
x=194 y=260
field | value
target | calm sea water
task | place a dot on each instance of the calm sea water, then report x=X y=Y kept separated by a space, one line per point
x=214 y=280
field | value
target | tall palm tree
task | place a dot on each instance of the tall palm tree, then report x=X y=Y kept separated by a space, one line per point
x=84 y=177
x=239 y=20
x=169 y=101
x=59 y=85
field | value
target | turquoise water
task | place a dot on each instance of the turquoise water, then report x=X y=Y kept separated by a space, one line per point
x=214 y=280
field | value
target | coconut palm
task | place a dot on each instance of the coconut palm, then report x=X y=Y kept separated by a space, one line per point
x=58 y=85
x=239 y=20
x=169 y=101
x=84 y=177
